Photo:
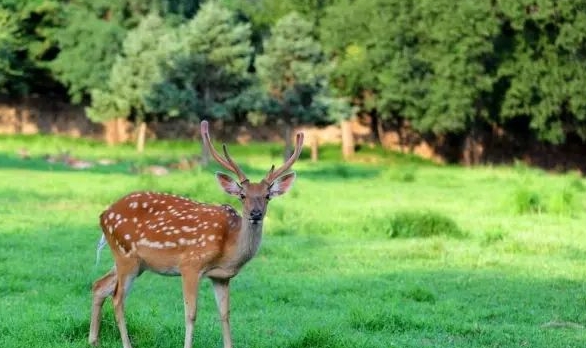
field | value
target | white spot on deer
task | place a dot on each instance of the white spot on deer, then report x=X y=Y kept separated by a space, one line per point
x=145 y=204
x=186 y=229
x=111 y=216
x=216 y=224
x=134 y=219
x=133 y=205
x=203 y=243
x=127 y=236
x=182 y=241
x=211 y=237
x=150 y=209
x=118 y=216
x=110 y=229
x=170 y=244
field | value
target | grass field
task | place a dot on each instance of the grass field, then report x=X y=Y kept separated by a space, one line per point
x=395 y=253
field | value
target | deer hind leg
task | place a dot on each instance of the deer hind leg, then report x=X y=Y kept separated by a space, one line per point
x=102 y=288
x=127 y=271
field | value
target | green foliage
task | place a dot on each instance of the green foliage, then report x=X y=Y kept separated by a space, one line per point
x=450 y=66
x=292 y=71
x=207 y=73
x=412 y=224
x=8 y=46
x=88 y=45
x=442 y=67
x=134 y=72
x=541 y=62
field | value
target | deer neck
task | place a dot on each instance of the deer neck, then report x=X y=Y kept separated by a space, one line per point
x=248 y=240
x=245 y=243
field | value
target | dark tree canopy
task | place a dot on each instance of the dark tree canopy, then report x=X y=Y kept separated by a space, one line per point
x=444 y=67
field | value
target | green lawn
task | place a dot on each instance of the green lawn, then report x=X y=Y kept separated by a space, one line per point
x=328 y=273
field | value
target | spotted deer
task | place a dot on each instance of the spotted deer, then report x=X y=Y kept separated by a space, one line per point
x=176 y=236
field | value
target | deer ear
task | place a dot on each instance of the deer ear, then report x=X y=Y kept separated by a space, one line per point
x=228 y=184
x=281 y=185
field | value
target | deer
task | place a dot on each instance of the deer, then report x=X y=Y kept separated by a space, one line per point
x=175 y=236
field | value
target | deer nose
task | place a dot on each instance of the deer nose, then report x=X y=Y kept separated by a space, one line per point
x=256 y=214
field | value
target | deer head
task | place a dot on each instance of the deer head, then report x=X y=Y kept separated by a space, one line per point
x=254 y=196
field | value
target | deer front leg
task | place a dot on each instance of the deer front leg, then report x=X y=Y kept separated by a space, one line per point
x=101 y=289
x=222 y=292
x=190 y=278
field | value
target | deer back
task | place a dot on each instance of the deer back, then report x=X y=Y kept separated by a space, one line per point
x=166 y=230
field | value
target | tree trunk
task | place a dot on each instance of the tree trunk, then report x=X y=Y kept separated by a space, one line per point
x=473 y=148
x=347 y=139
x=140 y=138
x=376 y=127
x=120 y=129
x=314 y=147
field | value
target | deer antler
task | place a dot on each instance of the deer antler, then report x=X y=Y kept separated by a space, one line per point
x=227 y=163
x=274 y=174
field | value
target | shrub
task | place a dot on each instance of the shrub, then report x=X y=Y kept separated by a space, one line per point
x=563 y=202
x=526 y=201
x=404 y=174
x=422 y=224
x=420 y=294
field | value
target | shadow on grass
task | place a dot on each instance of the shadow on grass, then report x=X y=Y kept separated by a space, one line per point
x=339 y=171
x=473 y=309
x=460 y=308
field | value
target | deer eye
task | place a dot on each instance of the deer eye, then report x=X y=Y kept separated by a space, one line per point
x=242 y=196
x=268 y=197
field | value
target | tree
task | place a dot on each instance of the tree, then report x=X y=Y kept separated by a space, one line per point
x=133 y=76
x=362 y=45
x=541 y=71
x=292 y=72
x=88 y=44
x=207 y=74
x=9 y=43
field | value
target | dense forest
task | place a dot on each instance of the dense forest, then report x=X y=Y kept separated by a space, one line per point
x=443 y=68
